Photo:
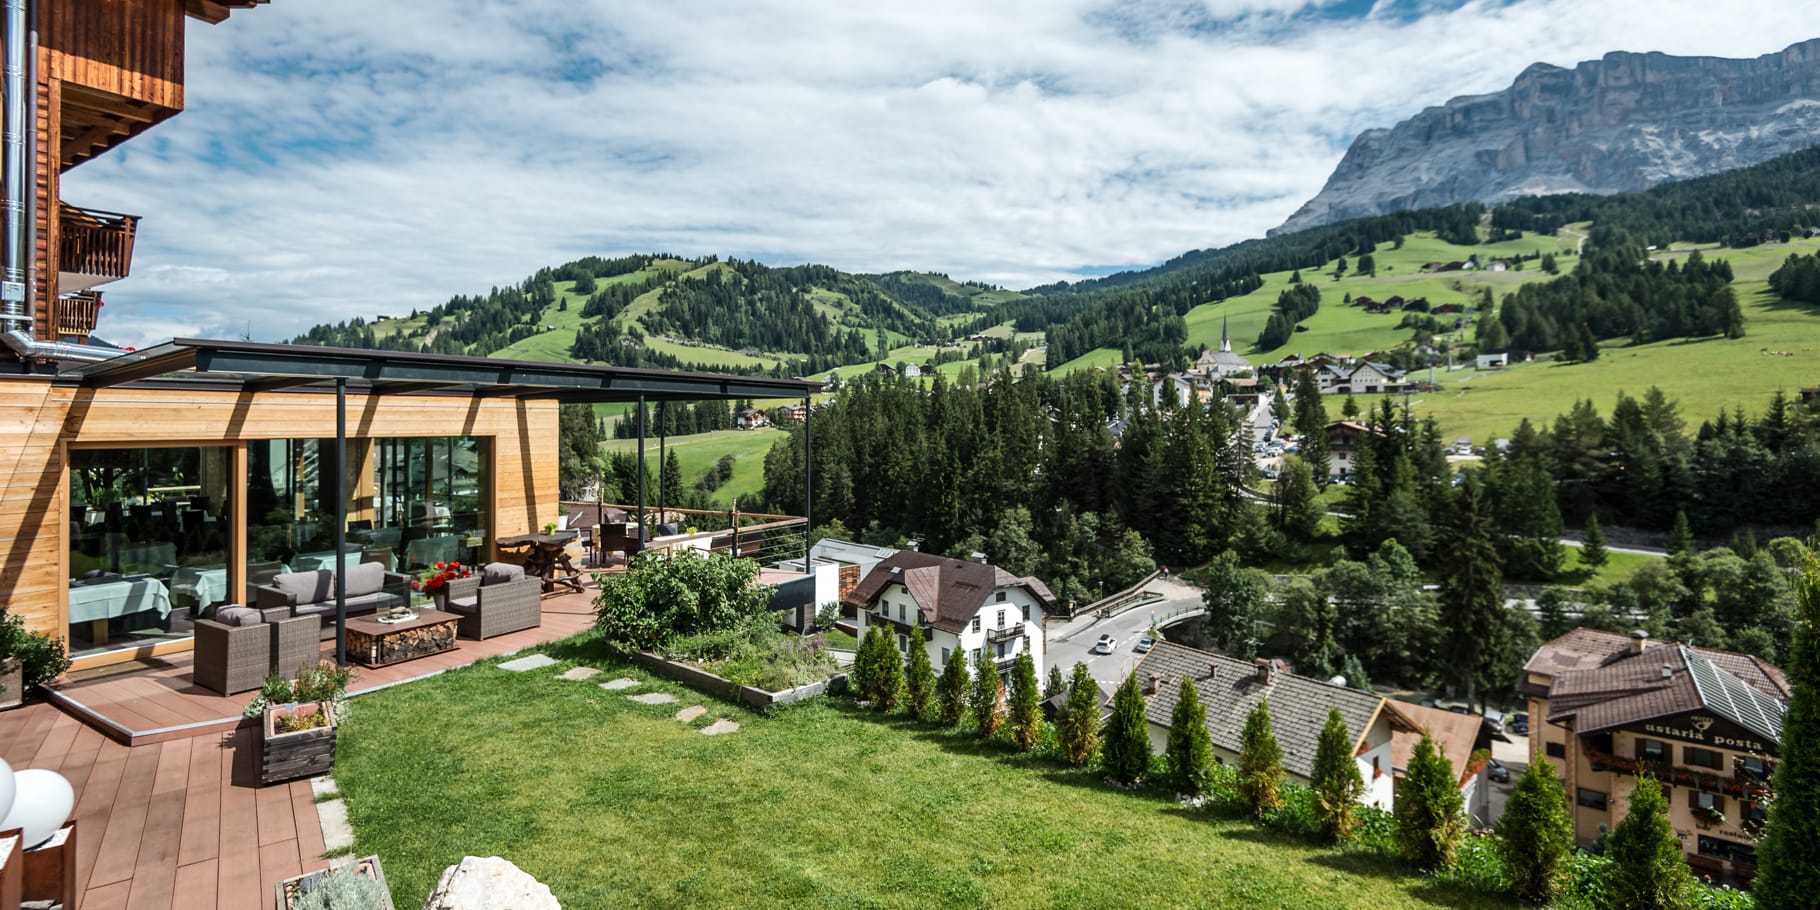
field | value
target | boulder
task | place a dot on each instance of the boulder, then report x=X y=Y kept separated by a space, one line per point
x=486 y=882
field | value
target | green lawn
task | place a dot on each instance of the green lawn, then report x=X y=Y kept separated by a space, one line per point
x=616 y=804
x=698 y=452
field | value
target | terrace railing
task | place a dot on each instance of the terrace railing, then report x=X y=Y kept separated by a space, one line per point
x=96 y=243
x=76 y=315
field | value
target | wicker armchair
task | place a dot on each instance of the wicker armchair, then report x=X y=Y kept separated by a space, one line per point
x=230 y=659
x=495 y=609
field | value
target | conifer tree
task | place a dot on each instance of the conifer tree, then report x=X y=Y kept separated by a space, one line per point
x=887 y=673
x=1648 y=871
x=1056 y=684
x=860 y=677
x=1260 y=763
x=919 y=684
x=1535 y=835
x=1788 y=854
x=1026 y=704
x=951 y=689
x=988 y=703
x=1189 y=753
x=1592 y=549
x=1431 y=814
x=1077 y=724
x=1355 y=674
x=1336 y=781
x=1681 y=539
x=1125 y=743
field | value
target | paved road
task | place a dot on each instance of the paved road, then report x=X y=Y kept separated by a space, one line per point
x=1069 y=643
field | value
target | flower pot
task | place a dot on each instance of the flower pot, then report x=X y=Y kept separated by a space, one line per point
x=298 y=753
x=291 y=890
x=12 y=684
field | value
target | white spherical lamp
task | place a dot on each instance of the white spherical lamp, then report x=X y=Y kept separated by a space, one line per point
x=42 y=801
x=6 y=789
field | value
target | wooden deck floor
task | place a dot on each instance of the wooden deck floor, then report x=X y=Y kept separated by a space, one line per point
x=177 y=819
x=161 y=703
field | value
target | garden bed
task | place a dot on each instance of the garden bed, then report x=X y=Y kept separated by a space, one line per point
x=702 y=680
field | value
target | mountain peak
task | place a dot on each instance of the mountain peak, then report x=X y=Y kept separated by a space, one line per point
x=1624 y=122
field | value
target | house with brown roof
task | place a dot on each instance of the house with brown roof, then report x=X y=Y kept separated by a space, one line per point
x=1229 y=689
x=1707 y=724
x=1454 y=735
x=965 y=608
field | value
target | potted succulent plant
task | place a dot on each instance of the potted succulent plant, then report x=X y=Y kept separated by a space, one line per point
x=298 y=720
x=360 y=887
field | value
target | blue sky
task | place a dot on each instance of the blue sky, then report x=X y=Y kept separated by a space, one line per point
x=344 y=158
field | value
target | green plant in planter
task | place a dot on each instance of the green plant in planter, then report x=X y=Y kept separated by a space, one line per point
x=323 y=682
x=40 y=655
x=343 y=891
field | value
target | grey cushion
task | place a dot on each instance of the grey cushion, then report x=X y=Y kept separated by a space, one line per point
x=364 y=578
x=239 y=616
x=501 y=572
x=308 y=587
x=464 y=604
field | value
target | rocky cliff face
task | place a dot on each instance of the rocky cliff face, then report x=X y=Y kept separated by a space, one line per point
x=1622 y=123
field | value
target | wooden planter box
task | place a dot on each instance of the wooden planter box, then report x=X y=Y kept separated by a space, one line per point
x=12 y=684
x=303 y=753
x=290 y=890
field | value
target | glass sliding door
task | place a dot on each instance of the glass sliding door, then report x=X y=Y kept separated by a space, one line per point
x=148 y=543
x=429 y=499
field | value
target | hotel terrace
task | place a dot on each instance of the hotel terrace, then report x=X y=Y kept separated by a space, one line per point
x=1706 y=724
x=140 y=491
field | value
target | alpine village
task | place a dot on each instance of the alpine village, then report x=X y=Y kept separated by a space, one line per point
x=1450 y=545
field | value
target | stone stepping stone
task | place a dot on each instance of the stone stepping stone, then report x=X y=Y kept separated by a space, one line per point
x=579 y=673
x=720 y=726
x=690 y=713
x=533 y=662
x=654 y=698
x=617 y=684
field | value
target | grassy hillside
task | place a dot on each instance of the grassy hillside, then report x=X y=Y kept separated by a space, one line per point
x=1778 y=351
x=699 y=452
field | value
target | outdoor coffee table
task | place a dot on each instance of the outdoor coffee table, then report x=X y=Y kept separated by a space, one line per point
x=373 y=643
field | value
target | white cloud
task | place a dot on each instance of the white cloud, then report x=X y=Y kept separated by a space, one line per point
x=343 y=158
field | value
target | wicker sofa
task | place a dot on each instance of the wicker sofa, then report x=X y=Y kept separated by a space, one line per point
x=240 y=647
x=369 y=588
x=500 y=599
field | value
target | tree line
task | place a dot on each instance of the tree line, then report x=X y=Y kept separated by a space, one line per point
x=1617 y=293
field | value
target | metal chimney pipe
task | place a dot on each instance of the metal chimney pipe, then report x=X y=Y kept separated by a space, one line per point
x=18 y=123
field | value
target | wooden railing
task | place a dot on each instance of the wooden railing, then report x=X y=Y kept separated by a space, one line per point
x=1005 y=634
x=76 y=315
x=96 y=242
x=766 y=538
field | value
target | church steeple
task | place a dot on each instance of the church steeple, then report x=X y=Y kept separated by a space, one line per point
x=1225 y=337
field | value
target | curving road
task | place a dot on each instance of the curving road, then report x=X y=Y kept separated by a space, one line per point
x=1071 y=642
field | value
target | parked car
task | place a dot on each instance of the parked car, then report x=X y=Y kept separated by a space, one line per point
x=1459 y=709
x=1105 y=644
x=1144 y=645
x=1519 y=724
x=1498 y=772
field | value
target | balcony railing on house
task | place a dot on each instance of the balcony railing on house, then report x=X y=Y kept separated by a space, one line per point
x=1740 y=783
x=96 y=246
x=75 y=316
x=1006 y=634
x=758 y=536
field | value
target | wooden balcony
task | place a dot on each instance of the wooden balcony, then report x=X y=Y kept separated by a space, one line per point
x=96 y=247
x=1006 y=634
x=75 y=316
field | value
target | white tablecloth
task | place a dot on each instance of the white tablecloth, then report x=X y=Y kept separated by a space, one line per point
x=119 y=597
x=207 y=585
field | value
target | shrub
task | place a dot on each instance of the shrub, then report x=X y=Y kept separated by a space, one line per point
x=1430 y=811
x=41 y=658
x=988 y=703
x=1125 y=742
x=1788 y=854
x=1535 y=836
x=1648 y=871
x=887 y=682
x=951 y=690
x=1026 y=704
x=661 y=598
x=343 y=891
x=1337 y=784
x=1190 y=749
x=919 y=685
x=1077 y=724
x=1260 y=763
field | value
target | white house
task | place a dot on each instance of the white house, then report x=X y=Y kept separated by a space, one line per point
x=1230 y=688
x=964 y=608
x=1493 y=361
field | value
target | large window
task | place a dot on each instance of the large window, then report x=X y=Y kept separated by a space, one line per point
x=148 y=543
x=1700 y=758
x=428 y=500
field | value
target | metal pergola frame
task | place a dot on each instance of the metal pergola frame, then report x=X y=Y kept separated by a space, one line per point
x=254 y=367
